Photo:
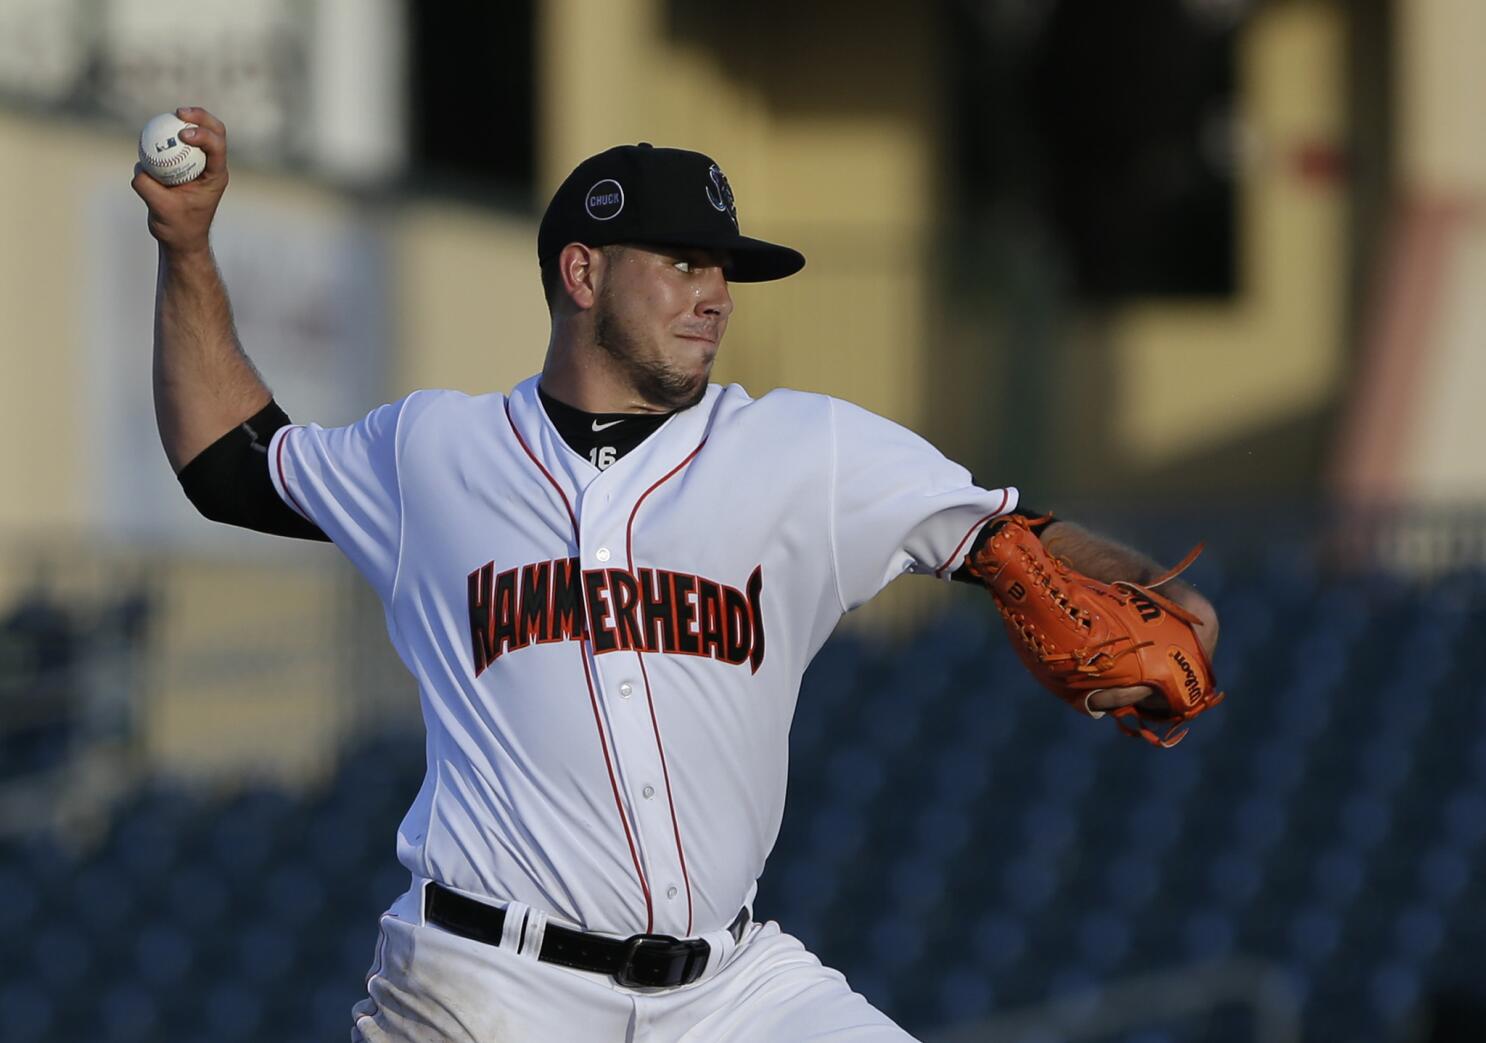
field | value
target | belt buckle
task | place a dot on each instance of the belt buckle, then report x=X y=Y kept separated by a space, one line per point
x=663 y=961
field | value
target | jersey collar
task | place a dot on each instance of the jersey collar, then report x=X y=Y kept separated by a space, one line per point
x=676 y=439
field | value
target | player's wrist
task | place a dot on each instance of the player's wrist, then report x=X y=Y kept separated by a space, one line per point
x=187 y=254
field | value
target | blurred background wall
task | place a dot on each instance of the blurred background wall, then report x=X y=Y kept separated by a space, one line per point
x=1182 y=267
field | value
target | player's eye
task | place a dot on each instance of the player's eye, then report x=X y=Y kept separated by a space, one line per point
x=685 y=267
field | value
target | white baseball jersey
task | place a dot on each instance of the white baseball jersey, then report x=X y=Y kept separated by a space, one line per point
x=608 y=661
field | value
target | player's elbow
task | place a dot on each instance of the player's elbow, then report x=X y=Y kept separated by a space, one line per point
x=228 y=481
x=243 y=496
x=211 y=504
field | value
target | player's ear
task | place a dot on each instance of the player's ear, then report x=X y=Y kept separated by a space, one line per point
x=580 y=268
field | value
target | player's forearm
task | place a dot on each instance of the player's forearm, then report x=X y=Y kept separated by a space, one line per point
x=1104 y=559
x=204 y=382
x=1108 y=560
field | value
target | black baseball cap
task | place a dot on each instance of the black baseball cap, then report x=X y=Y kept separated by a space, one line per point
x=665 y=196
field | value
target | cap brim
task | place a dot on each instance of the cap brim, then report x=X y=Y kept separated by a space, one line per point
x=750 y=260
x=754 y=260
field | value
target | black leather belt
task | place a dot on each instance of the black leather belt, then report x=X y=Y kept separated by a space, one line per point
x=642 y=960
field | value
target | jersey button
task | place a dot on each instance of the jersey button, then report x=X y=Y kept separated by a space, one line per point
x=602 y=554
x=671 y=891
x=626 y=689
x=648 y=792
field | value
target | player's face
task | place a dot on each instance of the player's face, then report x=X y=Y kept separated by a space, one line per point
x=660 y=314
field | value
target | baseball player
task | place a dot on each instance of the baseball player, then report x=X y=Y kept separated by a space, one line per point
x=607 y=584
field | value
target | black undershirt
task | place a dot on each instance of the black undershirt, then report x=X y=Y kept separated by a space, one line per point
x=616 y=434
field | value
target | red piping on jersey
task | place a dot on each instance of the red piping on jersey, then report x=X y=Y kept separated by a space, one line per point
x=629 y=553
x=939 y=572
x=614 y=785
x=284 y=482
x=592 y=695
x=629 y=532
x=545 y=473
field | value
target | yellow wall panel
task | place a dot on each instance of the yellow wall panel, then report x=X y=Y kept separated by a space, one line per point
x=1442 y=94
x=1195 y=376
x=470 y=313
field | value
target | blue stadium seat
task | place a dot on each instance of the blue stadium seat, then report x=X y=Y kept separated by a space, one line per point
x=1394 y=993
x=1465 y=818
x=269 y=954
x=915 y=883
x=838 y=830
x=331 y=1008
x=1131 y=880
x=964 y=994
x=891 y=721
x=1367 y=818
x=384 y=884
x=23 y=901
x=294 y=893
x=1208 y=934
x=1278 y=766
x=1073 y=984
x=234 y=1011
x=196 y=897
x=129 y=1013
x=1234 y=878
x=1444 y=872
x=336 y=841
x=103 y=899
x=1314 y=935
x=897 y=941
x=1156 y=1035
x=942 y=831
x=999 y=940
x=62 y=954
x=1260 y=821
x=1338 y=876
x=164 y=956
x=1028 y=884
x=1419 y=933
x=239 y=846
x=960 y=776
x=146 y=847
x=1066 y=771
x=1477 y=754
x=1104 y=940
x=855 y=774
x=30 y=1014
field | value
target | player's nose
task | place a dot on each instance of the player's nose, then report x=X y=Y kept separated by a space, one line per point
x=713 y=298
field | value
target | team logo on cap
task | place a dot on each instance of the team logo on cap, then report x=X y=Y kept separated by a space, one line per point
x=720 y=193
x=605 y=200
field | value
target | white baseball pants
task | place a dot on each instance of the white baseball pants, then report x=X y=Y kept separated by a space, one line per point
x=430 y=986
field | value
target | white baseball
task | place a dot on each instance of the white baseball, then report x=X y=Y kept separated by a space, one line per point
x=164 y=156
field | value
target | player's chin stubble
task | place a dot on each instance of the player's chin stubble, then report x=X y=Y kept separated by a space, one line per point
x=654 y=379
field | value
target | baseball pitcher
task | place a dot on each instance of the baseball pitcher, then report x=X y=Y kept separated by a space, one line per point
x=607 y=584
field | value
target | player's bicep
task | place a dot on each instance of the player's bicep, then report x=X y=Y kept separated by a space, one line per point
x=899 y=505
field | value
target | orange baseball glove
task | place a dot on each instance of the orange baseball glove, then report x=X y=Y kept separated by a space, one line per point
x=1078 y=636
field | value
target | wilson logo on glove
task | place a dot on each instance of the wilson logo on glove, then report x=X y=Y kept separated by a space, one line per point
x=1148 y=609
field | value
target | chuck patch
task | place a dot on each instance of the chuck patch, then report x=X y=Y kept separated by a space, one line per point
x=649 y=610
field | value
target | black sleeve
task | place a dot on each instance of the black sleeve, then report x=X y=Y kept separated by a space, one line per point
x=962 y=574
x=228 y=480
